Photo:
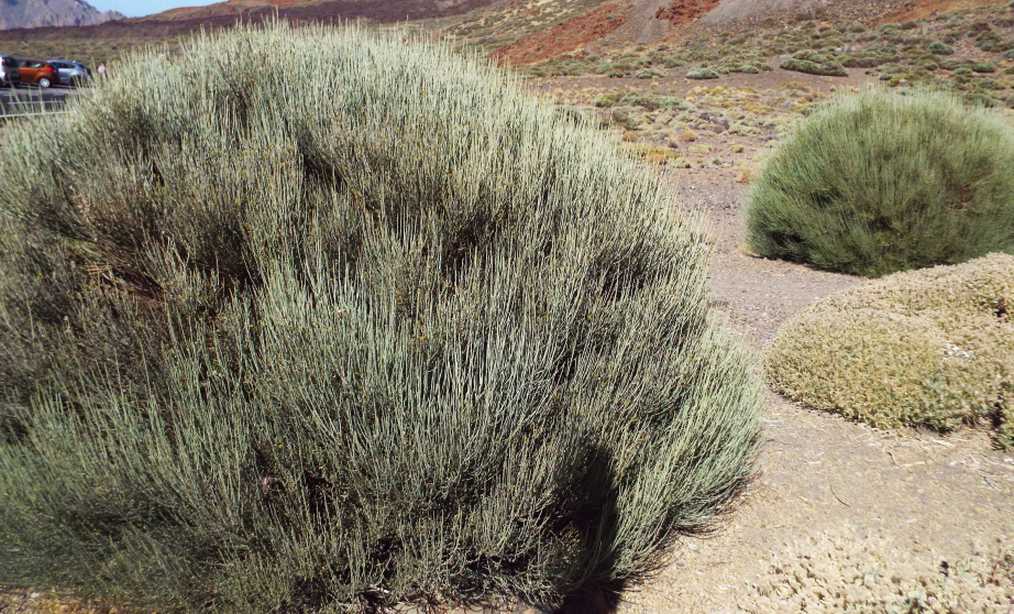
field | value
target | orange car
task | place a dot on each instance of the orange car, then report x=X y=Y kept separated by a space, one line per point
x=35 y=72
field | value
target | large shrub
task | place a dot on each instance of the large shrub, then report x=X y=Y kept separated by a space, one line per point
x=317 y=320
x=881 y=182
x=931 y=348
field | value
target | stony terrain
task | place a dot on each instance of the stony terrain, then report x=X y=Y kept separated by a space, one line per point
x=842 y=516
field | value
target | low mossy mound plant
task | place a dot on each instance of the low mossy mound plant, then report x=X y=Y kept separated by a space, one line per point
x=315 y=320
x=931 y=348
x=880 y=182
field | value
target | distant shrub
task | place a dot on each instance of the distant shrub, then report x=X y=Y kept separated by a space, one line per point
x=750 y=69
x=881 y=182
x=316 y=320
x=939 y=48
x=702 y=73
x=620 y=68
x=866 y=59
x=932 y=348
x=814 y=64
x=989 y=41
x=647 y=101
x=604 y=101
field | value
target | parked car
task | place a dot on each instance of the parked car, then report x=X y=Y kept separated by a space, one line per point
x=36 y=72
x=70 y=72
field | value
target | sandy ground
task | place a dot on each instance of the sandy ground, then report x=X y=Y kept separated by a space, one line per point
x=825 y=485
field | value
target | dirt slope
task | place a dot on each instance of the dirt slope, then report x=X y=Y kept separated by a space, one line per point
x=315 y=10
x=682 y=11
x=921 y=9
x=562 y=38
x=642 y=24
x=732 y=10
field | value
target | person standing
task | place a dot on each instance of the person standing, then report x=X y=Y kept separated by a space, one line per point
x=7 y=69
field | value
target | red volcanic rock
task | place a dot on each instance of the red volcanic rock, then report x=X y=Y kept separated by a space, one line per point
x=683 y=11
x=564 y=37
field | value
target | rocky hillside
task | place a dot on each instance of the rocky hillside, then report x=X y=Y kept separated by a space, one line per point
x=45 y=13
x=317 y=10
x=734 y=10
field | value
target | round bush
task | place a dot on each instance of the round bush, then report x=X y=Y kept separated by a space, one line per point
x=703 y=73
x=880 y=182
x=304 y=320
x=939 y=48
x=931 y=348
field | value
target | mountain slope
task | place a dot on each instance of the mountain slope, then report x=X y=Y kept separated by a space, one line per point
x=43 y=13
x=732 y=10
x=326 y=10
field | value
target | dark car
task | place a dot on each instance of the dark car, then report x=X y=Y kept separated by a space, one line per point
x=70 y=72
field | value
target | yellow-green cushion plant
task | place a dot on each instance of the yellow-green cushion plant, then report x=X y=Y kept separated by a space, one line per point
x=932 y=348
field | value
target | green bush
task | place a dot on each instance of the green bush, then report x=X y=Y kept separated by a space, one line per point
x=933 y=348
x=867 y=59
x=814 y=64
x=939 y=48
x=749 y=69
x=702 y=73
x=318 y=320
x=881 y=182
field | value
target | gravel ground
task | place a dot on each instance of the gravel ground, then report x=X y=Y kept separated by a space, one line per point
x=842 y=517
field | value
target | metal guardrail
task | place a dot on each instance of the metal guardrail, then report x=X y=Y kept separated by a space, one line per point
x=26 y=115
x=30 y=107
